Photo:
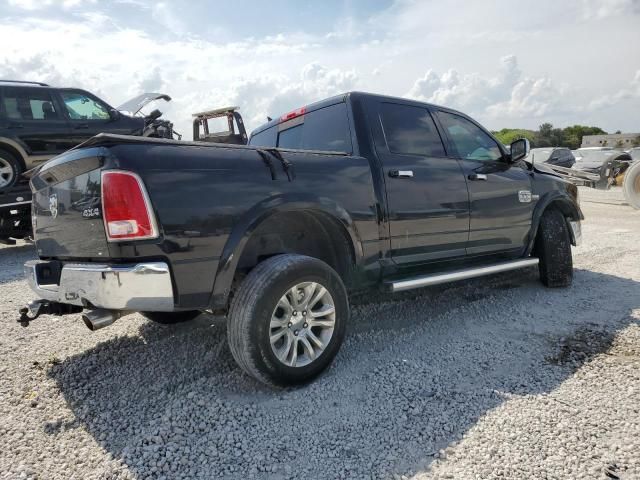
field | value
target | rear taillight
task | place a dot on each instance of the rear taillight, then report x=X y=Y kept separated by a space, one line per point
x=126 y=208
x=293 y=114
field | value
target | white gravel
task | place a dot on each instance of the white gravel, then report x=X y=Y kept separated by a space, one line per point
x=494 y=378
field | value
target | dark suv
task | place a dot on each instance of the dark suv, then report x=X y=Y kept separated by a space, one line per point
x=38 y=122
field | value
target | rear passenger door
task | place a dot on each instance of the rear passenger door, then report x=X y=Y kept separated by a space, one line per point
x=33 y=117
x=427 y=196
x=501 y=202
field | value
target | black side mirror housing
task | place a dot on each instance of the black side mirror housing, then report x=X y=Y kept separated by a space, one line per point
x=519 y=149
x=114 y=114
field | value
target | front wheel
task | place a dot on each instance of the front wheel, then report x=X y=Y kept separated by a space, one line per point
x=10 y=169
x=287 y=319
x=553 y=248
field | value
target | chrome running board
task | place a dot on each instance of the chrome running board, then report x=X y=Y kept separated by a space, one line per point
x=427 y=280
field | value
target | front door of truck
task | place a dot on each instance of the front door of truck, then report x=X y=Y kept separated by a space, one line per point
x=501 y=202
x=427 y=196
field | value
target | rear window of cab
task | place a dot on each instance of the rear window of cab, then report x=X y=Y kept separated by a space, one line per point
x=324 y=129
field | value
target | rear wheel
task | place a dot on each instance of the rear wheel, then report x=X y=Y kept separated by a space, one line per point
x=553 y=248
x=287 y=319
x=169 y=318
x=10 y=169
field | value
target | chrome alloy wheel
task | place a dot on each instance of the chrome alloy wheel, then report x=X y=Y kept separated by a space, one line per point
x=6 y=173
x=302 y=324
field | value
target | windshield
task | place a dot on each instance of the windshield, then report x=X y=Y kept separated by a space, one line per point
x=82 y=107
x=594 y=154
x=541 y=154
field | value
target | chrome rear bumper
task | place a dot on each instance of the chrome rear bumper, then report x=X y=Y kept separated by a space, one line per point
x=135 y=287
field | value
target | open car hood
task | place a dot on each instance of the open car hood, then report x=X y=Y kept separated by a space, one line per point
x=133 y=106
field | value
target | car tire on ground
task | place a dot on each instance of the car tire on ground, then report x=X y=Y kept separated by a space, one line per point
x=287 y=319
x=10 y=169
x=553 y=248
x=631 y=185
x=169 y=318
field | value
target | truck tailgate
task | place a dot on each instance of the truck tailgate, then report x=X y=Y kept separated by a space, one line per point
x=67 y=211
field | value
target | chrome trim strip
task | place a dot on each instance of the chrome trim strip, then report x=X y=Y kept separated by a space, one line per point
x=14 y=204
x=136 y=287
x=427 y=280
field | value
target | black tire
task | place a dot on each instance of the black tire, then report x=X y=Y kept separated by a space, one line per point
x=10 y=169
x=631 y=185
x=256 y=300
x=169 y=318
x=553 y=248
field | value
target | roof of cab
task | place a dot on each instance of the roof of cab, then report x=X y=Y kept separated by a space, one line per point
x=343 y=97
x=22 y=83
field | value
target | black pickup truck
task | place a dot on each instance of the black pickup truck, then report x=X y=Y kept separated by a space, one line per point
x=355 y=192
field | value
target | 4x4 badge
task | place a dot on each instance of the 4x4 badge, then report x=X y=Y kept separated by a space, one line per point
x=524 y=196
x=53 y=205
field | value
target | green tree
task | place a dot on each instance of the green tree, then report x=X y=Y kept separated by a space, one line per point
x=573 y=135
x=508 y=135
x=547 y=136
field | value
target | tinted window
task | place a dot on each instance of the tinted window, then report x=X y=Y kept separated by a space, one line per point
x=265 y=138
x=29 y=104
x=410 y=130
x=82 y=107
x=292 y=138
x=469 y=140
x=323 y=129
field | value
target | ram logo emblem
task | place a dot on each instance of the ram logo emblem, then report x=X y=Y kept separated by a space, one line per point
x=524 y=196
x=53 y=205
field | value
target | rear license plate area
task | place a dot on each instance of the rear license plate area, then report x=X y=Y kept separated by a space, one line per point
x=48 y=273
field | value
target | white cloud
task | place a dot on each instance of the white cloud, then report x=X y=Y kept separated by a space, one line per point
x=165 y=15
x=40 y=4
x=506 y=94
x=561 y=71
x=628 y=93
x=272 y=95
x=600 y=9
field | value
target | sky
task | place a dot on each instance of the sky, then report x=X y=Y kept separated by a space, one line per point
x=513 y=64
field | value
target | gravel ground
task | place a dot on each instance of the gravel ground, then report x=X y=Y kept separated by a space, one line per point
x=493 y=378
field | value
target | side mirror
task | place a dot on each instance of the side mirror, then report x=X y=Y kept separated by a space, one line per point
x=114 y=114
x=519 y=149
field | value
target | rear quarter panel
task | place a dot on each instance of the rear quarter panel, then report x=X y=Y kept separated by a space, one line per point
x=207 y=201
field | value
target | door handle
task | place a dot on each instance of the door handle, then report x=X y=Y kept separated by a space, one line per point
x=82 y=126
x=477 y=176
x=401 y=173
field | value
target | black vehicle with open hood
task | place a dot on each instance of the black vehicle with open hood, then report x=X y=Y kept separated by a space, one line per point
x=38 y=122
